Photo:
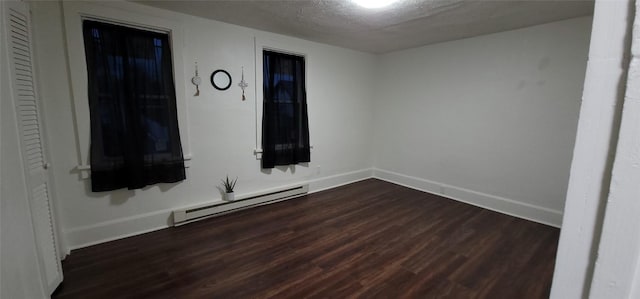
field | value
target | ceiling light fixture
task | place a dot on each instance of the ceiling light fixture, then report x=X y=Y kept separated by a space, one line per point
x=374 y=3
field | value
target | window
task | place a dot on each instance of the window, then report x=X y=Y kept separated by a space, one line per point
x=135 y=140
x=285 y=126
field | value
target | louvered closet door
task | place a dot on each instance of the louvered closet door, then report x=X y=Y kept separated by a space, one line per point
x=18 y=31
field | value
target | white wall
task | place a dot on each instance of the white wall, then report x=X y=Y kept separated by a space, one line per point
x=489 y=120
x=592 y=191
x=222 y=127
x=19 y=274
x=616 y=274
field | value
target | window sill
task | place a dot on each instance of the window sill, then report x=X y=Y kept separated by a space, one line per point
x=258 y=152
x=85 y=170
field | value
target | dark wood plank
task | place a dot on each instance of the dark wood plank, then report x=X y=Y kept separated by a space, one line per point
x=370 y=239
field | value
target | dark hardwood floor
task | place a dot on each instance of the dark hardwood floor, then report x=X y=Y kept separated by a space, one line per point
x=370 y=239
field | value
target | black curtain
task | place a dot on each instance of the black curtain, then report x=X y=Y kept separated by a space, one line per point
x=132 y=101
x=285 y=126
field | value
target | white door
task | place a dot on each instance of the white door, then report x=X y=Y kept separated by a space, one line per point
x=18 y=33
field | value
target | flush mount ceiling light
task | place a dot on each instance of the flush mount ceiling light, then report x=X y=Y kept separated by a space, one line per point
x=374 y=3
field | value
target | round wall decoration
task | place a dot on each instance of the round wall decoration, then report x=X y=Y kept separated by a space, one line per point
x=221 y=80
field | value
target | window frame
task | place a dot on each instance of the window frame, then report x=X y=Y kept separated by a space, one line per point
x=124 y=14
x=280 y=146
x=152 y=96
x=284 y=46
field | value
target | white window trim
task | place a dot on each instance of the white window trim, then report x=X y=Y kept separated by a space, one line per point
x=281 y=46
x=128 y=14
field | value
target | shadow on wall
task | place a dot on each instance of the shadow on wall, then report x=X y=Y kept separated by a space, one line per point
x=284 y=168
x=121 y=196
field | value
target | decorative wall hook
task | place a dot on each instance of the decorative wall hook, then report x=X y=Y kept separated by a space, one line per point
x=243 y=84
x=196 y=81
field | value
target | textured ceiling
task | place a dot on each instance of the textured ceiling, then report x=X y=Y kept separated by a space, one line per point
x=405 y=24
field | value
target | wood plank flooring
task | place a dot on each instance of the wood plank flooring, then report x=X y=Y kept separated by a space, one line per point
x=370 y=239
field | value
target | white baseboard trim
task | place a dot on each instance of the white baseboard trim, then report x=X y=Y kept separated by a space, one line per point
x=139 y=224
x=338 y=180
x=483 y=200
x=117 y=229
x=135 y=225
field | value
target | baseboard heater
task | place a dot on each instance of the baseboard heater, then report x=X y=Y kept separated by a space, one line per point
x=200 y=212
